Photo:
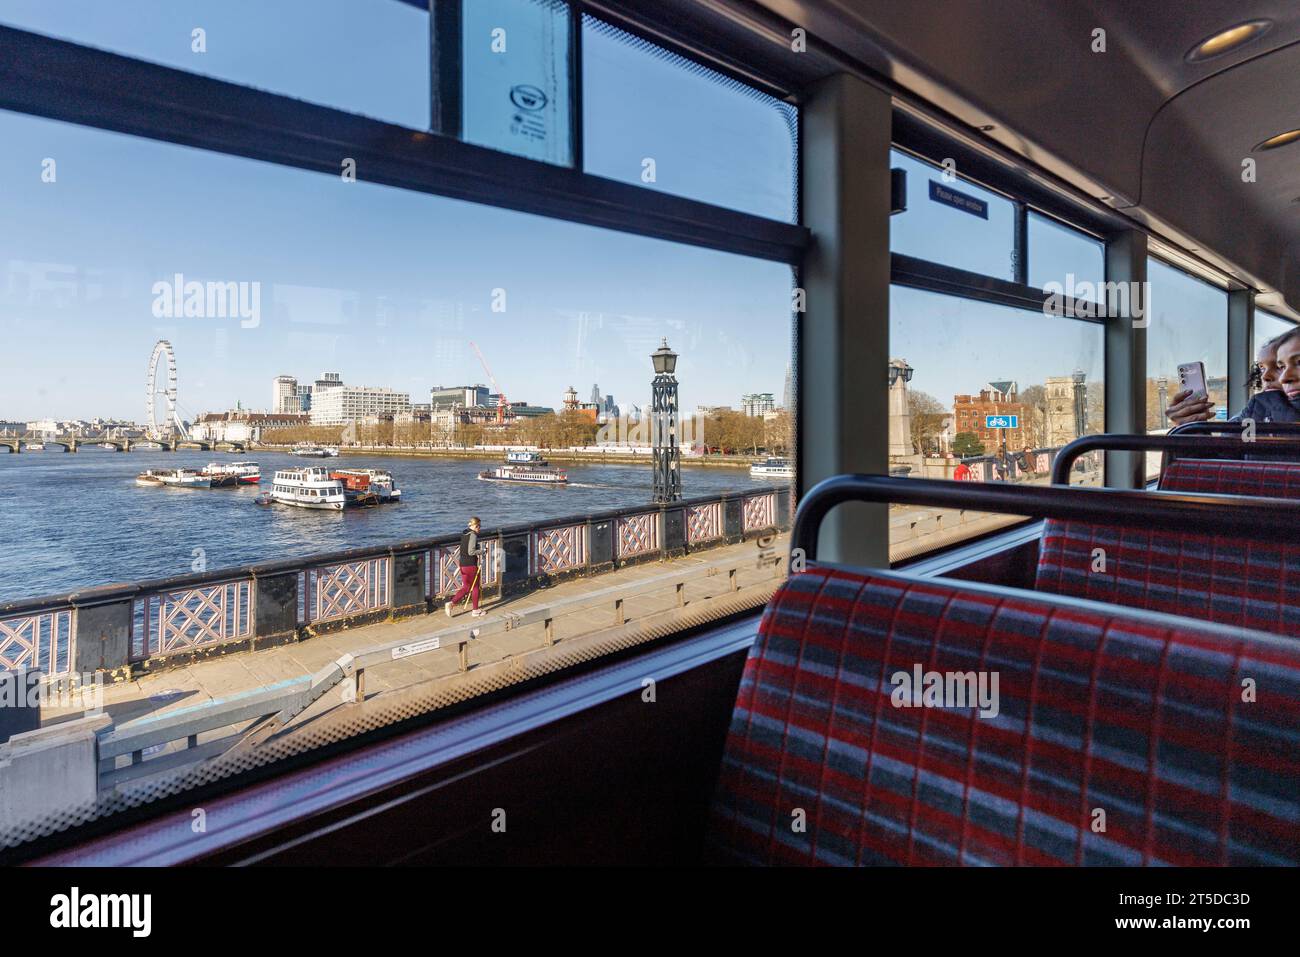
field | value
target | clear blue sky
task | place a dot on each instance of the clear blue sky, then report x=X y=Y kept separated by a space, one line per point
x=385 y=286
x=389 y=287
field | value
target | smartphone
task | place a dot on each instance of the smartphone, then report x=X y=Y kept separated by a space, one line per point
x=1192 y=376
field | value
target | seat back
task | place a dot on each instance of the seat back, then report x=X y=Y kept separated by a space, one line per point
x=1212 y=577
x=1120 y=737
x=1232 y=477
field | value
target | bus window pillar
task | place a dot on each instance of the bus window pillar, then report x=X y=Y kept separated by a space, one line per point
x=1241 y=357
x=1126 y=354
x=843 y=336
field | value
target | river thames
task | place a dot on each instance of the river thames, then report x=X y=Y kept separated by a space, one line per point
x=69 y=521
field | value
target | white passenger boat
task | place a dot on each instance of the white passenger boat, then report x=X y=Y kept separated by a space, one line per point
x=311 y=451
x=525 y=458
x=245 y=473
x=772 y=468
x=34 y=446
x=529 y=474
x=183 y=478
x=308 y=488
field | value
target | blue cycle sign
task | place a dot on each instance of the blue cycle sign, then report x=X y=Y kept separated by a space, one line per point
x=1001 y=421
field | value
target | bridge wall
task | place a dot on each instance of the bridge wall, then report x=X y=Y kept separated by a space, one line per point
x=127 y=630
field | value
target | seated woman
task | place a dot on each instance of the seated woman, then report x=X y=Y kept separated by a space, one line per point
x=1271 y=403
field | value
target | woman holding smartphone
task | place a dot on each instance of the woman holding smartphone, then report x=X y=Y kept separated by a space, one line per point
x=1273 y=405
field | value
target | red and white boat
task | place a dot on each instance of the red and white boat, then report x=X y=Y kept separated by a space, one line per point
x=367 y=486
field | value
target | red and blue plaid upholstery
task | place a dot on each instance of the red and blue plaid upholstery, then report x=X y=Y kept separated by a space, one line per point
x=1216 y=578
x=1232 y=477
x=1100 y=709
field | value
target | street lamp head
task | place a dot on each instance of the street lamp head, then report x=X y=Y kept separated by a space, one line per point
x=664 y=359
x=898 y=368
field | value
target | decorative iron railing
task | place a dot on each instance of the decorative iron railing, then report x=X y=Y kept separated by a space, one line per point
x=760 y=512
x=37 y=642
x=558 y=550
x=638 y=535
x=166 y=621
x=346 y=589
x=704 y=523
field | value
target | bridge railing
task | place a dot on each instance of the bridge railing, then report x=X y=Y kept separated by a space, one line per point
x=137 y=628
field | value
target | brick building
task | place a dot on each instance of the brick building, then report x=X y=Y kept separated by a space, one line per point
x=999 y=398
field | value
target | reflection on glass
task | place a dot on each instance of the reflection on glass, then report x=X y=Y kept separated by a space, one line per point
x=370 y=58
x=1065 y=256
x=1188 y=323
x=516 y=77
x=656 y=120
x=984 y=393
x=953 y=222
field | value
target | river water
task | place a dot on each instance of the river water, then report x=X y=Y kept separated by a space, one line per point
x=71 y=521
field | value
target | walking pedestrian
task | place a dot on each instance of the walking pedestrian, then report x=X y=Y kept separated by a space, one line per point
x=470 y=554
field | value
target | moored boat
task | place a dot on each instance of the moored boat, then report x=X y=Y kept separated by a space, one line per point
x=149 y=479
x=310 y=451
x=525 y=457
x=308 y=488
x=183 y=478
x=367 y=486
x=772 y=468
x=244 y=473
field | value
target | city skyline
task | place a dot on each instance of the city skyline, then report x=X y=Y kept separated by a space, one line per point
x=415 y=399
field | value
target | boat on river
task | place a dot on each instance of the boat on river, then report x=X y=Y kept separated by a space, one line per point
x=308 y=488
x=772 y=468
x=526 y=471
x=314 y=451
x=362 y=487
x=182 y=478
x=244 y=473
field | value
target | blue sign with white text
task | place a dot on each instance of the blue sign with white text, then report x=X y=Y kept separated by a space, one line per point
x=958 y=200
x=1001 y=421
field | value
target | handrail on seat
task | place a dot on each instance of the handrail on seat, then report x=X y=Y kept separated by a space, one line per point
x=1215 y=427
x=1185 y=444
x=1249 y=517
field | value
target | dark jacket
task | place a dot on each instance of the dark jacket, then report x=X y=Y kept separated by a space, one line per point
x=1270 y=406
x=469 y=549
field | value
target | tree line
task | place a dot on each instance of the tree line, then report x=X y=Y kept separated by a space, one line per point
x=722 y=431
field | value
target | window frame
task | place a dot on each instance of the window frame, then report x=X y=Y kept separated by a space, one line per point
x=67 y=81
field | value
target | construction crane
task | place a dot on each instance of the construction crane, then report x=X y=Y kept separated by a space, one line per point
x=501 y=396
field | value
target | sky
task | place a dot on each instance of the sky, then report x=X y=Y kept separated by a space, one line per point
x=385 y=286
x=389 y=287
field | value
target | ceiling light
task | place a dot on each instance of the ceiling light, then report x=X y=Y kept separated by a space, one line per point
x=1273 y=142
x=1226 y=40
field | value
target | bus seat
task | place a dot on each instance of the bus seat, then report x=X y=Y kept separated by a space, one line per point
x=1232 y=477
x=1213 y=577
x=1120 y=736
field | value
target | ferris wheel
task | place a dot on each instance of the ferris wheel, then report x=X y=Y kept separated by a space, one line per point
x=172 y=424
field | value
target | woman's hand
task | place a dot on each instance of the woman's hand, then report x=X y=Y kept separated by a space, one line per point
x=1188 y=408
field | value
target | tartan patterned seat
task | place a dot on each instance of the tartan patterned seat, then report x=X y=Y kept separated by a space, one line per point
x=1121 y=736
x=1214 y=578
x=1232 y=477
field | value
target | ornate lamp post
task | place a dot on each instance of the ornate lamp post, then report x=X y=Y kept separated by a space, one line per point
x=663 y=419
